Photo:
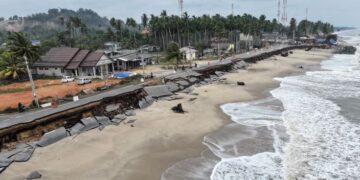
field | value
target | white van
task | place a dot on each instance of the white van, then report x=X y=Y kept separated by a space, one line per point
x=66 y=79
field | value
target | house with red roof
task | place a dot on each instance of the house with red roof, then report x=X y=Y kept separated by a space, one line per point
x=66 y=61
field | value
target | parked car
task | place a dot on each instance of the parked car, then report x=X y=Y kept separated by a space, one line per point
x=82 y=81
x=66 y=79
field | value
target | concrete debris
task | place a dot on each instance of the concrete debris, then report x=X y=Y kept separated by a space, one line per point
x=5 y=162
x=207 y=80
x=284 y=54
x=33 y=175
x=159 y=91
x=101 y=127
x=146 y=102
x=219 y=73
x=131 y=121
x=194 y=94
x=24 y=155
x=214 y=78
x=222 y=78
x=120 y=117
x=130 y=113
x=8 y=154
x=103 y=120
x=111 y=107
x=192 y=99
x=193 y=80
x=204 y=82
x=21 y=153
x=52 y=137
x=241 y=65
x=76 y=129
x=183 y=83
x=173 y=98
x=188 y=90
x=182 y=75
x=89 y=123
x=173 y=87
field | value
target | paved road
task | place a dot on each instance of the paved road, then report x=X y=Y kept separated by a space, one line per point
x=10 y=120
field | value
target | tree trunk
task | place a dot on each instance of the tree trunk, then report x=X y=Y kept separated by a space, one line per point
x=293 y=35
x=32 y=83
x=163 y=39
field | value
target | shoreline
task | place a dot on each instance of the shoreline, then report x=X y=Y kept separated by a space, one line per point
x=160 y=138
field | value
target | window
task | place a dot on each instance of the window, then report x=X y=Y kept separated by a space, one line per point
x=55 y=68
x=46 y=68
x=41 y=68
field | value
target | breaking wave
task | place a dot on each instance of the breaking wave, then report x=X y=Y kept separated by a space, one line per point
x=323 y=142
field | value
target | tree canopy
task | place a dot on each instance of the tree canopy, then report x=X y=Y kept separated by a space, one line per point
x=86 y=29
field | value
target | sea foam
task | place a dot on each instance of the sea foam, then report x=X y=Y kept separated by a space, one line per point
x=323 y=143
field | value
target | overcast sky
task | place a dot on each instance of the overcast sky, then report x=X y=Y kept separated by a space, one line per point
x=338 y=12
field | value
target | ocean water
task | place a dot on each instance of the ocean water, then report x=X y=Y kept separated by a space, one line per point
x=309 y=129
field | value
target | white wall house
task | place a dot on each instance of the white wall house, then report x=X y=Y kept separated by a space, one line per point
x=75 y=62
x=49 y=71
x=105 y=66
x=189 y=53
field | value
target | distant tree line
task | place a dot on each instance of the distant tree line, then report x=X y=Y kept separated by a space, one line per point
x=84 y=28
x=200 y=30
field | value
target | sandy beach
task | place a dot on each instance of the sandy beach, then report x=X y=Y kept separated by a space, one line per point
x=160 y=137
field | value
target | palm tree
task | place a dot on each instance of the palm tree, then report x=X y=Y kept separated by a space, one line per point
x=11 y=66
x=173 y=51
x=22 y=47
x=132 y=23
x=144 y=20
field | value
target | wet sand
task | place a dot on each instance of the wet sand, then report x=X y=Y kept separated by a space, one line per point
x=160 y=137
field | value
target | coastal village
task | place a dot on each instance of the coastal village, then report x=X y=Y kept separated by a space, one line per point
x=70 y=90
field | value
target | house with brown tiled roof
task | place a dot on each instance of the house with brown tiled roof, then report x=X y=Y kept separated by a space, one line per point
x=65 y=61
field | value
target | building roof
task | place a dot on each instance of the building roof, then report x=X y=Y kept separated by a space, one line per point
x=57 y=57
x=70 y=58
x=92 y=59
x=188 y=50
x=130 y=57
x=78 y=59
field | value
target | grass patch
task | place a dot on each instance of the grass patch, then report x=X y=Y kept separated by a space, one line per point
x=14 y=90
